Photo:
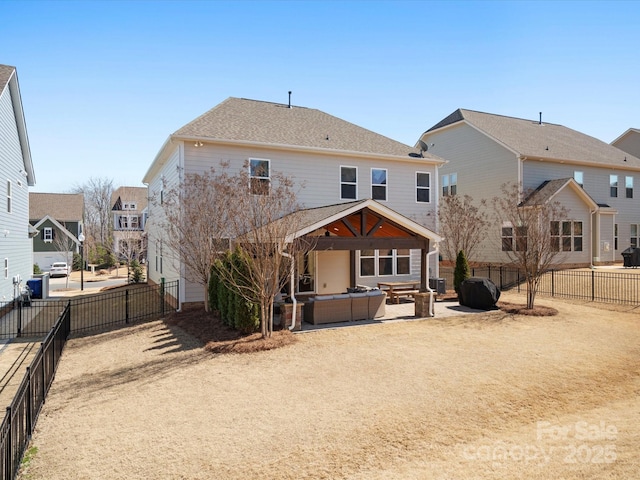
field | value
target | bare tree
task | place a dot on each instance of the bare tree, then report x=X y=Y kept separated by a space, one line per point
x=130 y=246
x=195 y=220
x=529 y=234
x=65 y=245
x=266 y=218
x=462 y=224
x=97 y=211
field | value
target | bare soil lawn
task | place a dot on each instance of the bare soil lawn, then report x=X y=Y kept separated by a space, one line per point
x=490 y=395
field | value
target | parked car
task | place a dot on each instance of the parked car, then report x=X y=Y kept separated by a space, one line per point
x=60 y=269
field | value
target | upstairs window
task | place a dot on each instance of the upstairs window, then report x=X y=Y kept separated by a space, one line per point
x=47 y=234
x=130 y=206
x=260 y=176
x=449 y=184
x=6 y=268
x=379 y=183
x=348 y=183
x=579 y=178
x=423 y=187
x=613 y=185
x=628 y=184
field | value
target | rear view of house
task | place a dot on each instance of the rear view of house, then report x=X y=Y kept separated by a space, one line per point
x=357 y=184
x=16 y=176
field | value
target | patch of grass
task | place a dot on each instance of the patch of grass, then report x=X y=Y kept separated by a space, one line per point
x=26 y=461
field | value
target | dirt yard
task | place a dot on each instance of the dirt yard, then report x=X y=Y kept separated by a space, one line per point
x=480 y=396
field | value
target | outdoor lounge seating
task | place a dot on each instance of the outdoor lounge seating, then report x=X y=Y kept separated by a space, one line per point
x=345 y=307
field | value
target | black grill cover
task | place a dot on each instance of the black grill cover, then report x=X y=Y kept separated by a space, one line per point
x=480 y=293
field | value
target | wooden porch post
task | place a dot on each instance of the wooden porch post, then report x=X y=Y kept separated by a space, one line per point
x=352 y=268
x=424 y=273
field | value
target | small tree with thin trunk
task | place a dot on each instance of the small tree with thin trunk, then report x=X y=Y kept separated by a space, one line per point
x=195 y=219
x=462 y=224
x=528 y=233
x=265 y=221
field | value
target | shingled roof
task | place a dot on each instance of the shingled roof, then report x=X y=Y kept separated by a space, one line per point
x=129 y=194
x=550 y=188
x=5 y=74
x=252 y=121
x=63 y=207
x=535 y=139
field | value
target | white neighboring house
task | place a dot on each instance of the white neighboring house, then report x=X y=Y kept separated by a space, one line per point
x=629 y=142
x=348 y=173
x=597 y=182
x=129 y=218
x=16 y=175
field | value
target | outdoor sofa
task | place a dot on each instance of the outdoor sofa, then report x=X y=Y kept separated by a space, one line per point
x=345 y=307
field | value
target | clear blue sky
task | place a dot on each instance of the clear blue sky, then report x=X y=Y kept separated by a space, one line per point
x=104 y=83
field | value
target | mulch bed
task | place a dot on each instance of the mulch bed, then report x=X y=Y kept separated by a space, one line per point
x=219 y=338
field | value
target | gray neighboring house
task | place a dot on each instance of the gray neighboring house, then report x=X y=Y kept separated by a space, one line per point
x=16 y=176
x=347 y=172
x=629 y=142
x=600 y=183
x=129 y=210
x=56 y=216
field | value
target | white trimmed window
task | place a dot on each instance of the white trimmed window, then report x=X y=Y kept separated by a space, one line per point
x=628 y=185
x=423 y=187
x=129 y=206
x=384 y=263
x=6 y=268
x=613 y=185
x=379 y=184
x=615 y=236
x=260 y=176
x=47 y=234
x=635 y=233
x=566 y=236
x=579 y=178
x=348 y=183
x=449 y=184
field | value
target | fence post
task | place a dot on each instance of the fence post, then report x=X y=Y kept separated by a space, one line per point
x=9 y=447
x=162 y=296
x=553 y=282
x=19 y=318
x=126 y=303
x=29 y=403
x=593 y=285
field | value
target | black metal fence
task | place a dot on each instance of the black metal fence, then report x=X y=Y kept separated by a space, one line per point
x=22 y=413
x=78 y=314
x=591 y=285
x=134 y=303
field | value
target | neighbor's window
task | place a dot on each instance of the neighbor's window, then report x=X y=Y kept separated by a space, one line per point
x=613 y=185
x=379 y=183
x=566 y=236
x=507 y=238
x=348 y=183
x=47 y=234
x=9 y=196
x=385 y=262
x=628 y=184
x=6 y=268
x=635 y=231
x=423 y=187
x=449 y=184
x=579 y=178
x=259 y=176
x=615 y=236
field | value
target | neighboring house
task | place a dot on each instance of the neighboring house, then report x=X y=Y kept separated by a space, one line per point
x=129 y=217
x=484 y=151
x=629 y=142
x=58 y=217
x=348 y=174
x=16 y=175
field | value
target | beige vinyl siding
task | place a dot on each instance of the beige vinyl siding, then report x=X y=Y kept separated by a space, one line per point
x=630 y=143
x=577 y=212
x=14 y=241
x=319 y=176
x=603 y=240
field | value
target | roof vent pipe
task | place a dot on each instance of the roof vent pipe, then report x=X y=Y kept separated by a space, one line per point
x=539 y=123
x=289 y=98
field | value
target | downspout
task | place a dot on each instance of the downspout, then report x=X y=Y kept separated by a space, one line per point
x=292 y=290
x=429 y=289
